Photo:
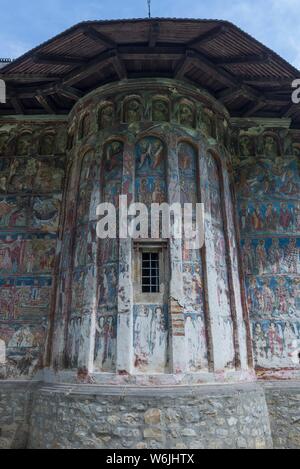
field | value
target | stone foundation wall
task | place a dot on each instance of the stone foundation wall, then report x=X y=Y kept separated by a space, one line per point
x=35 y=415
x=283 y=400
x=15 y=411
x=107 y=418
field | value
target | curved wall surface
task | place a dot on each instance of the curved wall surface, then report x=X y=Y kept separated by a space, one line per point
x=154 y=143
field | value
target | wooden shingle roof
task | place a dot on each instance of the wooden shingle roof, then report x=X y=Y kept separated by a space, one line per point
x=250 y=79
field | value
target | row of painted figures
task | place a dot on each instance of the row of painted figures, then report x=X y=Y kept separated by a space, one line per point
x=269 y=144
x=273 y=297
x=23 y=143
x=276 y=343
x=184 y=111
x=22 y=346
x=276 y=216
x=30 y=212
x=268 y=178
x=27 y=253
x=24 y=298
x=271 y=256
x=31 y=175
x=150 y=340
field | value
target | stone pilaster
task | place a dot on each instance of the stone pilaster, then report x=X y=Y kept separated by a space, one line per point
x=176 y=314
x=125 y=293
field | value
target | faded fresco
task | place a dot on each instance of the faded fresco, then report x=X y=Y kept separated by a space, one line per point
x=108 y=265
x=150 y=321
x=137 y=144
x=83 y=257
x=150 y=183
x=151 y=338
x=155 y=148
x=32 y=169
x=268 y=186
x=195 y=329
x=219 y=273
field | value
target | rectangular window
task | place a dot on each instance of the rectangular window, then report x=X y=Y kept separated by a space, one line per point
x=150 y=272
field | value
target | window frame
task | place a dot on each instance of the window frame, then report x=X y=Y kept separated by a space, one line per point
x=150 y=246
x=154 y=279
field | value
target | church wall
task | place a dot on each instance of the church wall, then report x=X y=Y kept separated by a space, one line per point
x=268 y=188
x=192 y=266
x=222 y=307
x=108 y=260
x=150 y=319
x=152 y=147
x=155 y=145
x=32 y=169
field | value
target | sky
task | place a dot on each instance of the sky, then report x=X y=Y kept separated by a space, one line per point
x=24 y=24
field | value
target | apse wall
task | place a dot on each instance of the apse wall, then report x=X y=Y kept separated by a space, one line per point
x=154 y=143
x=32 y=170
x=71 y=309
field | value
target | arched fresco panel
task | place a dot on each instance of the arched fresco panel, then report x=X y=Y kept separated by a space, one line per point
x=108 y=265
x=84 y=262
x=193 y=283
x=150 y=334
x=221 y=309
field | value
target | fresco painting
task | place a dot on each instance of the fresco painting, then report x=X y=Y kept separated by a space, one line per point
x=217 y=228
x=31 y=175
x=277 y=217
x=269 y=176
x=107 y=260
x=160 y=109
x=106 y=115
x=74 y=341
x=84 y=252
x=105 y=344
x=46 y=212
x=271 y=255
x=150 y=171
x=150 y=339
x=269 y=214
x=78 y=285
x=88 y=200
x=24 y=344
x=21 y=253
x=196 y=342
x=274 y=296
x=150 y=321
x=133 y=109
x=29 y=220
x=276 y=343
x=24 y=298
x=193 y=283
x=14 y=212
x=47 y=144
x=89 y=169
x=108 y=287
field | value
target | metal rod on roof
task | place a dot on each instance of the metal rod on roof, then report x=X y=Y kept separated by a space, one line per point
x=149 y=8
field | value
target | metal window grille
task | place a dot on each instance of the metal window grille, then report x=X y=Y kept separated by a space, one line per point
x=150 y=272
